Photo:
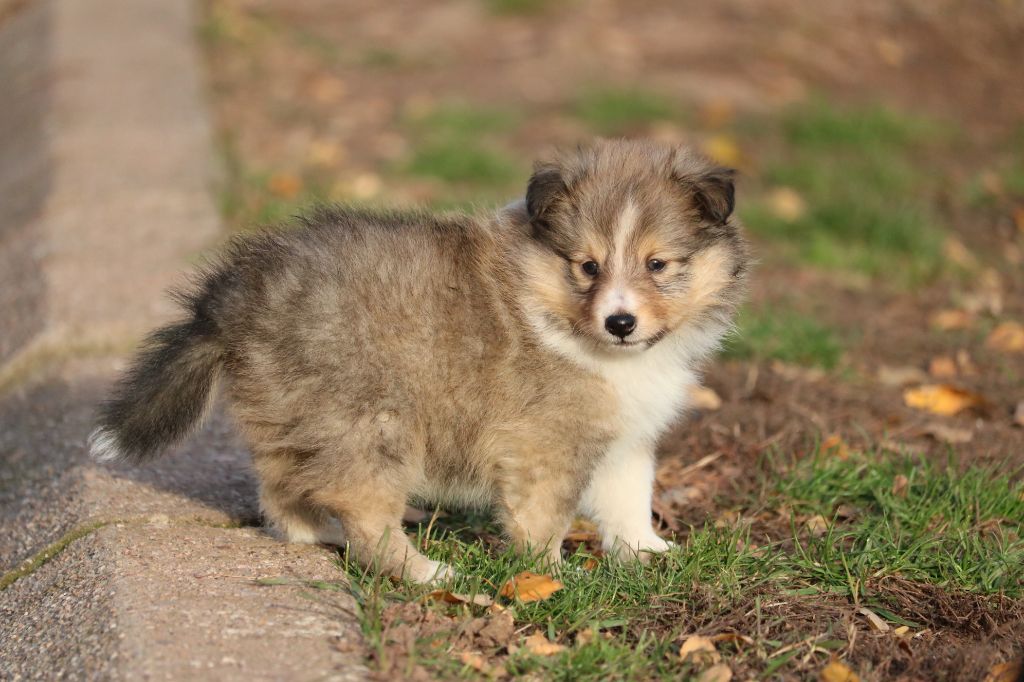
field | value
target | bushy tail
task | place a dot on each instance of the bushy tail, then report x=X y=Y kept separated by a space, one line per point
x=164 y=394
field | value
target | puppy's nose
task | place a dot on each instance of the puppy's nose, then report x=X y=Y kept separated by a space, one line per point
x=622 y=325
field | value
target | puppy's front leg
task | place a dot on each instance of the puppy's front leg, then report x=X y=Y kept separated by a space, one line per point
x=618 y=499
x=537 y=509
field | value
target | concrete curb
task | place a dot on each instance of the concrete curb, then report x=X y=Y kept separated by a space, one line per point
x=106 y=154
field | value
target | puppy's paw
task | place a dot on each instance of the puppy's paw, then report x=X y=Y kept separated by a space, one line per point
x=427 y=571
x=641 y=548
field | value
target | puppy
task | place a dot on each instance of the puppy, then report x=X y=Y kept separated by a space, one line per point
x=527 y=361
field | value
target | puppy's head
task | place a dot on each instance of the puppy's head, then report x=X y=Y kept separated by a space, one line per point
x=632 y=241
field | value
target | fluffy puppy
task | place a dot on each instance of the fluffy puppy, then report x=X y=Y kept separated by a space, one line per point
x=527 y=361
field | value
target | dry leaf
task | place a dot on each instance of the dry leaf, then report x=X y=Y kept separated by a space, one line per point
x=837 y=671
x=901 y=631
x=474 y=660
x=699 y=649
x=720 y=672
x=941 y=399
x=539 y=645
x=901 y=376
x=528 y=586
x=955 y=251
x=704 y=398
x=455 y=598
x=723 y=149
x=1018 y=414
x=942 y=367
x=284 y=185
x=1007 y=337
x=817 y=524
x=948 y=320
x=834 y=445
x=947 y=434
x=732 y=637
x=876 y=621
x=899 y=485
x=590 y=563
x=585 y=636
x=1010 y=671
x=786 y=204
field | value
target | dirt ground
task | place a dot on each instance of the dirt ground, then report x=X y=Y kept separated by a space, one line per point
x=316 y=95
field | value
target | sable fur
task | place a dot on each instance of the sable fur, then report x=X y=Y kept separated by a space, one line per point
x=369 y=358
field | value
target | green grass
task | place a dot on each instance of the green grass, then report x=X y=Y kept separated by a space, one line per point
x=614 y=111
x=957 y=531
x=785 y=335
x=869 y=190
x=460 y=144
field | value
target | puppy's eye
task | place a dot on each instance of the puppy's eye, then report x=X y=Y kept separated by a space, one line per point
x=591 y=268
x=655 y=265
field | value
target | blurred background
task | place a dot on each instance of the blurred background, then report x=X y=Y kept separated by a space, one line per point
x=880 y=147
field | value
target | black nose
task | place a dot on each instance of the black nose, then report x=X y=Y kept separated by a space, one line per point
x=622 y=325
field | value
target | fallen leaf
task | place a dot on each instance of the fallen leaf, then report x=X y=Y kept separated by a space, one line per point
x=941 y=399
x=835 y=446
x=901 y=376
x=955 y=251
x=284 y=185
x=528 y=586
x=876 y=621
x=1010 y=671
x=947 y=434
x=1018 y=414
x=456 y=598
x=891 y=52
x=901 y=631
x=474 y=660
x=539 y=645
x=732 y=637
x=817 y=524
x=836 y=671
x=584 y=636
x=590 y=563
x=723 y=149
x=899 y=485
x=949 y=320
x=699 y=649
x=786 y=204
x=942 y=367
x=704 y=398
x=720 y=672
x=1007 y=337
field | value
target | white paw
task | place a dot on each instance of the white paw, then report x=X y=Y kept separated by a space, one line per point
x=426 y=571
x=641 y=548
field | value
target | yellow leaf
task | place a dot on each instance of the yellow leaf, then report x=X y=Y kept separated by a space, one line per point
x=590 y=563
x=699 y=649
x=720 y=672
x=942 y=367
x=901 y=631
x=285 y=185
x=786 y=204
x=941 y=399
x=539 y=645
x=455 y=598
x=1007 y=337
x=838 y=672
x=704 y=398
x=948 y=320
x=834 y=445
x=528 y=586
x=723 y=149
x=899 y=485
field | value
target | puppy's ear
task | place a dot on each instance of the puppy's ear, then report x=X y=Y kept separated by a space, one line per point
x=546 y=185
x=712 y=187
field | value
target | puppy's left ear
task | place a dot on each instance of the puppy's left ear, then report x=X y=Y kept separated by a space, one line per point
x=713 y=189
x=546 y=185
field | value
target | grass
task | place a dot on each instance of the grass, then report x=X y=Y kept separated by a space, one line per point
x=785 y=335
x=957 y=533
x=868 y=191
x=614 y=111
x=459 y=144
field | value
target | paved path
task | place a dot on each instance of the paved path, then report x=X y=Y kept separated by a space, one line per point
x=105 y=184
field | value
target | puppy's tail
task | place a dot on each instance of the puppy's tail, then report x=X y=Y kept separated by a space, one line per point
x=166 y=392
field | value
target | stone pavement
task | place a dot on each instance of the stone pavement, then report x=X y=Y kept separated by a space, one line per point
x=105 y=184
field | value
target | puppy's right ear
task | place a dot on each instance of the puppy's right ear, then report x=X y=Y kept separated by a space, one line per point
x=546 y=185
